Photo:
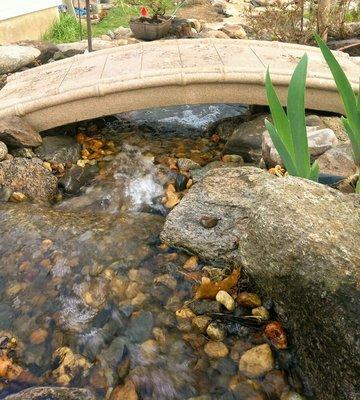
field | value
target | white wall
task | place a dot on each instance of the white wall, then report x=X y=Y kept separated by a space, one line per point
x=14 y=8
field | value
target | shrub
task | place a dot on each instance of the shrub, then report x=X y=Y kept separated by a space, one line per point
x=66 y=29
x=282 y=21
x=351 y=102
x=288 y=131
x=294 y=21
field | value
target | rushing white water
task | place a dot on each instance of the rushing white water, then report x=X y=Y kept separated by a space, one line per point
x=131 y=182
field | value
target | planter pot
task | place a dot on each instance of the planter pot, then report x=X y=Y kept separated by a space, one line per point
x=145 y=30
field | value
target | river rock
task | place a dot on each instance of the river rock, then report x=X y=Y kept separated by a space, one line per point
x=187 y=120
x=319 y=140
x=215 y=332
x=185 y=164
x=257 y=361
x=216 y=349
x=261 y=312
x=117 y=358
x=3 y=151
x=28 y=177
x=71 y=49
x=47 y=50
x=16 y=132
x=291 y=396
x=209 y=33
x=14 y=57
x=5 y=193
x=304 y=255
x=246 y=299
x=201 y=322
x=234 y=31
x=226 y=300
x=338 y=161
x=76 y=177
x=140 y=326
x=127 y=391
x=246 y=141
x=59 y=149
x=200 y=307
x=53 y=393
x=335 y=124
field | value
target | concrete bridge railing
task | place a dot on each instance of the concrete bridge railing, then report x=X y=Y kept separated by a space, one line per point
x=164 y=73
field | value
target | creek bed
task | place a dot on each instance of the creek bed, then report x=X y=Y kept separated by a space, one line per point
x=90 y=297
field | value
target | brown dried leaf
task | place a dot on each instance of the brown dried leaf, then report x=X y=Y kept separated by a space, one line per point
x=208 y=289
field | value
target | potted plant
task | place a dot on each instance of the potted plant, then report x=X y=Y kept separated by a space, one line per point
x=153 y=23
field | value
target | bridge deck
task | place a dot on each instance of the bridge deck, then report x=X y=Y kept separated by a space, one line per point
x=163 y=73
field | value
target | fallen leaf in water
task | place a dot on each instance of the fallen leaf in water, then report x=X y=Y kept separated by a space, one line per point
x=275 y=332
x=208 y=289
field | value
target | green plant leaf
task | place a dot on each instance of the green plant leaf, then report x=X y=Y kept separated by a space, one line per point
x=354 y=139
x=351 y=104
x=296 y=115
x=314 y=172
x=278 y=114
x=357 y=189
x=283 y=151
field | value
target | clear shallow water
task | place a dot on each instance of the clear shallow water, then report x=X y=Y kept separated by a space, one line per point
x=90 y=294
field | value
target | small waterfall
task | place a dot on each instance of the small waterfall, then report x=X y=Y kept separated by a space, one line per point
x=131 y=182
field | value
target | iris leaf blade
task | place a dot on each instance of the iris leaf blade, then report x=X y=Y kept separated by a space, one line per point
x=283 y=151
x=296 y=115
x=278 y=114
x=351 y=104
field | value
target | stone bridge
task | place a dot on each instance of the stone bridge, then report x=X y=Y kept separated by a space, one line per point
x=165 y=73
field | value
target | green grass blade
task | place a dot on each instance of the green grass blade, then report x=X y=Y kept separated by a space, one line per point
x=314 y=172
x=279 y=117
x=354 y=139
x=347 y=94
x=296 y=115
x=284 y=153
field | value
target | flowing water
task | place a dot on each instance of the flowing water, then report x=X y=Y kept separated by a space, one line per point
x=89 y=293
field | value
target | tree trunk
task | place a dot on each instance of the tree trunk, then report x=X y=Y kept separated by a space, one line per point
x=323 y=18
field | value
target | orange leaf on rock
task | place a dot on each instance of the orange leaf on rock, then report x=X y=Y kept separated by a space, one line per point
x=208 y=289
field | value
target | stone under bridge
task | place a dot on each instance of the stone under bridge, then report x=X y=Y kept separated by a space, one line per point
x=165 y=73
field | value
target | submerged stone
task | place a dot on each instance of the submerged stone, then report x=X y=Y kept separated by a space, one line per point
x=59 y=149
x=53 y=393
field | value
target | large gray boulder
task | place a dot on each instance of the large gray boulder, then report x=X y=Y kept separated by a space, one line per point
x=14 y=57
x=299 y=243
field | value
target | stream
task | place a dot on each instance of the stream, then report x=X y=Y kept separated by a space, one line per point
x=89 y=294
